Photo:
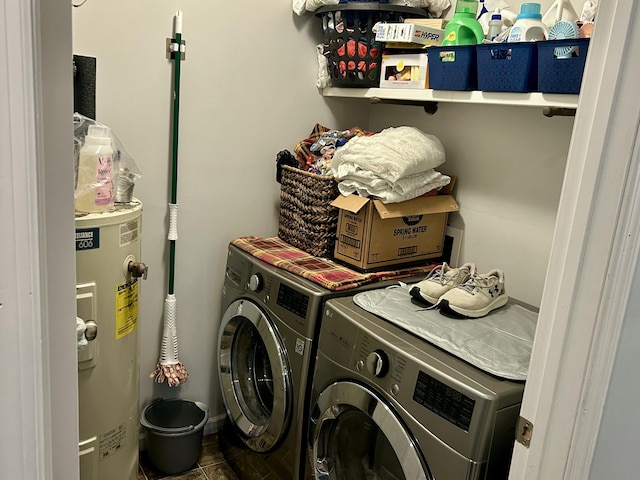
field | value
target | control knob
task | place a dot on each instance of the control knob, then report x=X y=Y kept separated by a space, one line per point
x=378 y=363
x=92 y=331
x=255 y=282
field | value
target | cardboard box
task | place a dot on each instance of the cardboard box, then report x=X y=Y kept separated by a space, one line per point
x=404 y=71
x=372 y=235
x=409 y=33
x=428 y=22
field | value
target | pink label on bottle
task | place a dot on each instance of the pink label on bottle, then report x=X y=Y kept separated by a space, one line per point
x=104 y=181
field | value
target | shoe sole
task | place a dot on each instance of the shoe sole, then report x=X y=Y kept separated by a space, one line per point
x=498 y=302
x=421 y=298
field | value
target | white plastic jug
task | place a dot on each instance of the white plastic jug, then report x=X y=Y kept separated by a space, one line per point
x=94 y=190
x=529 y=26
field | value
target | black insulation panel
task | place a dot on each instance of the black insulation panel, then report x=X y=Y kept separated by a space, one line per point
x=84 y=86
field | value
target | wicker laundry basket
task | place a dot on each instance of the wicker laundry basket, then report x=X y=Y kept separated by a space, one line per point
x=307 y=219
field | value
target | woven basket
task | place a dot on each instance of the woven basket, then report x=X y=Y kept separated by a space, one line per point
x=307 y=219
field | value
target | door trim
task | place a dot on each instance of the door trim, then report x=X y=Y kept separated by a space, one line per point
x=44 y=425
x=594 y=254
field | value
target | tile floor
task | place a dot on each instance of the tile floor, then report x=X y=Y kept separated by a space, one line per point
x=211 y=465
x=237 y=463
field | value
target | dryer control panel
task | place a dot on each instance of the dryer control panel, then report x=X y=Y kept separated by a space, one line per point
x=443 y=400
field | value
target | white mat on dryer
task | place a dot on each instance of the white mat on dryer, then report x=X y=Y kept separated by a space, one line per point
x=499 y=343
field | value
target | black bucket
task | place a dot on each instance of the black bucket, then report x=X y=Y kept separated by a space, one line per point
x=174 y=431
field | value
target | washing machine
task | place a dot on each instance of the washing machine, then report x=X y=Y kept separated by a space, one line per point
x=388 y=405
x=267 y=348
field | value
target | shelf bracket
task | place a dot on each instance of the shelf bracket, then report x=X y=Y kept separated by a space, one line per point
x=429 y=107
x=559 y=111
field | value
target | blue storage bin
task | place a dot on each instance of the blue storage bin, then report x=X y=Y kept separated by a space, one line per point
x=452 y=67
x=561 y=65
x=507 y=67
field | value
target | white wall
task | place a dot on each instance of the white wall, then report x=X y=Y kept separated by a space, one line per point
x=510 y=164
x=247 y=92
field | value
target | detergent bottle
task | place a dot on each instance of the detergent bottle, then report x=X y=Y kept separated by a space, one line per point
x=464 y=28
x=529 y=26
x=495 y=26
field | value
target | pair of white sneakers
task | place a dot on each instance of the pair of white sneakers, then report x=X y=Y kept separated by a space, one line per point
x=462 y=291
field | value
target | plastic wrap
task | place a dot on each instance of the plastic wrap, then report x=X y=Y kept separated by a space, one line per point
x=126 y=172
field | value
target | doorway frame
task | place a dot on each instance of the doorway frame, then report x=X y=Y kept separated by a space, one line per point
x=38 y=309
x=585 y=293
x=593 y=258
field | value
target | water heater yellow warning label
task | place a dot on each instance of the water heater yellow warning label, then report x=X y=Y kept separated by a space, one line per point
x=126 y=307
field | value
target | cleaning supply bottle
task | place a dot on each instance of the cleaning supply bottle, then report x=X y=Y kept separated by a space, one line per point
x=94 y=190
x=495 y=26
x=464 y=28
x=529 y=26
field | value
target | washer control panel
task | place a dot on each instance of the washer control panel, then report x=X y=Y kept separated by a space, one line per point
x=293 y=300
x=388 y=367
x=256 y=283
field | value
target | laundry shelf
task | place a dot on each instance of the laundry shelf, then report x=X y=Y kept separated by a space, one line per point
x=533 y=99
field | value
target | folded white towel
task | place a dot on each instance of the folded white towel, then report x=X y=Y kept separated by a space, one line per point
x=394 y=153
x=392 y=192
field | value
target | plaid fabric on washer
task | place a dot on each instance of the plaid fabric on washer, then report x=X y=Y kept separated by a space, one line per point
x=322 y=271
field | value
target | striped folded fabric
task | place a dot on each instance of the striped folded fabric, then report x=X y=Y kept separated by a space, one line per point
x=322 y=271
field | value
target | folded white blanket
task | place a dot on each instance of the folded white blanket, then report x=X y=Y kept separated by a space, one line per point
x=405 y=188
x=394 y=153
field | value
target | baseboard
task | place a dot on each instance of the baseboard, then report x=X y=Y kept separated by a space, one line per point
x=213 y=425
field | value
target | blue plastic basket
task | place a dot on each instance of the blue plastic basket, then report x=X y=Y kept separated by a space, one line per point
x=559 y=71
x=452 y=67
x=507 y=67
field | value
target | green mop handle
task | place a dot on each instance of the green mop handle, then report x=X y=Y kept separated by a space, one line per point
x=173 y=206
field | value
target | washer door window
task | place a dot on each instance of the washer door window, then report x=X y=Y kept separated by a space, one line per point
x=358 y=437
x=254 y=375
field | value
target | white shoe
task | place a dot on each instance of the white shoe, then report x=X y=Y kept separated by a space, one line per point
x=477 y=297
x=439 y=281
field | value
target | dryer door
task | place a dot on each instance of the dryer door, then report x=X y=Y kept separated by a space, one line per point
x=254 y=375
x=358 y=436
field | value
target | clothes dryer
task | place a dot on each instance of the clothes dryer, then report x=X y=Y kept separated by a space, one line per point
x=267 y=349
x=389 y=405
